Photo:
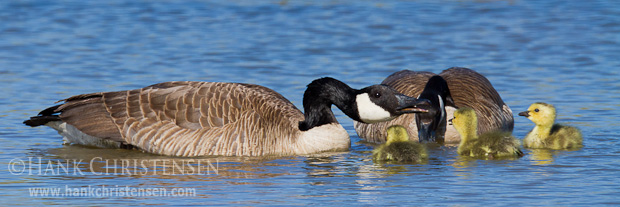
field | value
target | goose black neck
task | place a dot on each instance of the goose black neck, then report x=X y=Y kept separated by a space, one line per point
x=436 y=88
x=319 y=97
x=436 y=91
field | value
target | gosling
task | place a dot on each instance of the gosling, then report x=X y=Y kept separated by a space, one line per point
x=546 y=134
x=492 y=145
x=399 y=148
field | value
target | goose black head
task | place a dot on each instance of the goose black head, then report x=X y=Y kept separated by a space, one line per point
x=372 y=104
x=379 y=103
x=438 y=93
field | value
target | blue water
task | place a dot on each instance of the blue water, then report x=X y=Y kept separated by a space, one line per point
x=562 y=52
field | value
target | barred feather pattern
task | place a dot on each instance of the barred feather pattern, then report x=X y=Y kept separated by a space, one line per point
x=196 y=118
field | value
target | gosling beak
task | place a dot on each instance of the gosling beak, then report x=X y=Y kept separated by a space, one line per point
x=525 y=113
x=408 y=104
x=450 y=121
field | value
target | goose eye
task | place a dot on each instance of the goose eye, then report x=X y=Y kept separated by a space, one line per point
x=377 y=95
x=536 y=110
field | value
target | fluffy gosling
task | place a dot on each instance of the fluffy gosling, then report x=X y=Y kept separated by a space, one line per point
x=490 y=145
x=399 y=148
x=547 y=134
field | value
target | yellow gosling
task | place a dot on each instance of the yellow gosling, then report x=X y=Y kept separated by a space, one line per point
x=399 y=148
x=495 y=144
x=547 y=134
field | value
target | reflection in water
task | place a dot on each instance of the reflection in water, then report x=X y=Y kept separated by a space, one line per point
x=52 y=49
x=541 y=156
x=547 y=156
x=465 y=165
x=390 y=168
x=80 y=162
x=328 y=164
x=464 y=162
x=467 y=161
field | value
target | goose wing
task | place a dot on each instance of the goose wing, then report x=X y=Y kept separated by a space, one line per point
x=470 y=88
x=188 y=118
x=410 y=83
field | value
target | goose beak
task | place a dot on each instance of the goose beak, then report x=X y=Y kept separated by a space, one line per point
x=525 y=113
x=408 y=104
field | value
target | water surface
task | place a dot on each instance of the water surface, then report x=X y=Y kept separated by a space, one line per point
x=564 y=53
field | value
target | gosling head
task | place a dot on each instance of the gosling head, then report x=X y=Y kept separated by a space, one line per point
x=465 y=122
x=540 y=113
x=397 y=133
x=380 y=103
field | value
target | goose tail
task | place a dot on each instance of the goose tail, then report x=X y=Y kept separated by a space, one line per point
x=43 y=117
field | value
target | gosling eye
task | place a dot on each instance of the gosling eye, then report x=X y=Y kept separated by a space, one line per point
x=377 y=95
x=536 y=110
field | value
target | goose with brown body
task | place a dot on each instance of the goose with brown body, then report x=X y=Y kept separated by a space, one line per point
x=213 y=118
x=467 y=88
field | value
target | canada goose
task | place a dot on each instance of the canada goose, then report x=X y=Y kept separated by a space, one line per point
x=467 y=88
x=546 y=134
x=213 y=118
x=495 y=144
x=398 y=147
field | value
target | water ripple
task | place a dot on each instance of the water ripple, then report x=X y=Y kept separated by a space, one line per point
x=564 y=53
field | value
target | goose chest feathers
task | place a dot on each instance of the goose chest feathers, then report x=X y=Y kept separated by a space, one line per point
x=452 y=88
x=215 y=118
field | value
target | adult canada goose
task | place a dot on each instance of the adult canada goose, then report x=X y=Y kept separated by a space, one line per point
x=547 y=134
x=467 y=88
x=398 y=147
x=495 y=144
x=213 y=118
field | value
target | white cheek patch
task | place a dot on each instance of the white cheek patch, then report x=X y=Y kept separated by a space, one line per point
x=370 y=112
x=441 y=107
